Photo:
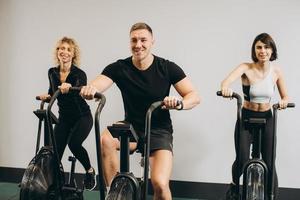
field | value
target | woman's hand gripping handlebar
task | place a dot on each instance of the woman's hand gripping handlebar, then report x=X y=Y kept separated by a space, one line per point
x=289 y=105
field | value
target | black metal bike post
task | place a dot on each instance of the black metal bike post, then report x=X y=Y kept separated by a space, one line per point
x=147 y=146
x=37 y=147
x=48 y=124
x=47 y=137
x=272 y=195
x=275 y=108
x=101 y=185
x=239 y=118
x=71 y=181
x=257 y=134
x=102 y=100
x=124 y=152
x=240 y=127
x=259 y=156
x=259 y=141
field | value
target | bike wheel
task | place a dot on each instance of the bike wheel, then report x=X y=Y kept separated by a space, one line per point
x=255 y=182
x=122 y=189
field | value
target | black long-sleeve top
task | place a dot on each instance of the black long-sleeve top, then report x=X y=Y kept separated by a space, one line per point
x=71 y=105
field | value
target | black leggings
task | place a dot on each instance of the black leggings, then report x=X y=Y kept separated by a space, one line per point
x=73 y=133
x=245 y=141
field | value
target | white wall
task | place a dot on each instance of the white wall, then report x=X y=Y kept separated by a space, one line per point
x=207 y=38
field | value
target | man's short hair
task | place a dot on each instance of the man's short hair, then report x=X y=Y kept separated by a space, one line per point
x=141 y=25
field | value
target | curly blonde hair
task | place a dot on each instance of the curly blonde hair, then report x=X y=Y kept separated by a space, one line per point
x=74 y=45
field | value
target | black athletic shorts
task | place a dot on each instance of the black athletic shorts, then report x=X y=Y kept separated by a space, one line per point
x=160 y=139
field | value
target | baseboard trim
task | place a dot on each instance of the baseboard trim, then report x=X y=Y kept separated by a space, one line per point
x=183 y=189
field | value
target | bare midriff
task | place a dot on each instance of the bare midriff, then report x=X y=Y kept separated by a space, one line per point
x=258 y=107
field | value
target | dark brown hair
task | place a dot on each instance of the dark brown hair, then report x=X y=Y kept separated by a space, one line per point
x=268 y=40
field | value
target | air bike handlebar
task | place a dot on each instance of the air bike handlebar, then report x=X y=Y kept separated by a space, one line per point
x=277 y=106
x=43 y=101
x=239 y=99
x=144 y=189
x=101 y=185
x=71 y=89
x=102 y=100
x=154 y=106
x=234 y=95
x=49 y=120
x=239 y=117
x=97 y=95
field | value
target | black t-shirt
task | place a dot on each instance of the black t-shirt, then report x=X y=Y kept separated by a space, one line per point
x=71 y=105
x=141 y=88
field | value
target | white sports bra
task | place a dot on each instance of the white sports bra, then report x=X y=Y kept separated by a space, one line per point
x=262 y=91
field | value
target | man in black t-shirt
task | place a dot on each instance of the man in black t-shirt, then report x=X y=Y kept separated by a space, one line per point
x=143 y=79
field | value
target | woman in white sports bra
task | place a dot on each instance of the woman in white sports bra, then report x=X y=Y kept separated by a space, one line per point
x=259 y=79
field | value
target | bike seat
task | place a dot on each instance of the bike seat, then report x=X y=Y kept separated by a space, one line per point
x=119 y=129
x=41 y=114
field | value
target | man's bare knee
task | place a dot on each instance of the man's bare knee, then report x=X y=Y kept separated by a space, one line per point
x=161 y=191
x=160 y=186
x=108 y=143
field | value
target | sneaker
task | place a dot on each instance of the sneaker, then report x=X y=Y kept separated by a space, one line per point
x=90 y=180
x=231 y=193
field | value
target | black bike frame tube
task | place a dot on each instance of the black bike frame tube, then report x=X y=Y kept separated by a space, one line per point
x=71 y=181
x=272 y=195
x=102 y=187
x=256 y=145
x=124 y=153
x=153 y=106
x=37 y=147
x=51 y=132
x=46 y=133
x=240 y=126
x=275 y=108
x=239 y=118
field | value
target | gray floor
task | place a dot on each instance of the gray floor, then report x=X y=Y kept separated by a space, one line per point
x=10 y=191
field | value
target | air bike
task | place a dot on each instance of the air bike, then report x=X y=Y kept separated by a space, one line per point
x=255 y=171
x=44 y=178
x=125 y=186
